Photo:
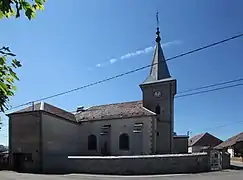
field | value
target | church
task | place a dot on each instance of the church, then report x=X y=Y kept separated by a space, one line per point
x=144 y=127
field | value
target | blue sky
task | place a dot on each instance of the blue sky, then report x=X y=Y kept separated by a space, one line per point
x=72 y=44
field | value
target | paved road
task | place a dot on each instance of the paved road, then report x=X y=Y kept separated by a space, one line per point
x=224 y=175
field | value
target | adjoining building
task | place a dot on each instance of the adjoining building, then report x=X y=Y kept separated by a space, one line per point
x=233 y=145
x=201 y=142
x=180 y=144
x=40 y=134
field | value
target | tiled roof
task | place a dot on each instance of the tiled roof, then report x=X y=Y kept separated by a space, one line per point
x=204 y=139
x=195 y=138
x=48 y=108
x=107 y=111
x=231 y=141
x=114 y=111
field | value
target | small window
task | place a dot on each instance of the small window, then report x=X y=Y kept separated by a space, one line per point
x=92 y=142
x=124 y=142
x=157 y=109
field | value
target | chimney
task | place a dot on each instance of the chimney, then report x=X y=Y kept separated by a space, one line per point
x=80 y=109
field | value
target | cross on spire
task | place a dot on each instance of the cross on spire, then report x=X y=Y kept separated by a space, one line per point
x=157 y=17
x=159 y=69
x=158 y=32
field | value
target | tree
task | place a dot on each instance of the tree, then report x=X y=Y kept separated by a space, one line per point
x=10 y=8
x=8 y=62
x=7 y=76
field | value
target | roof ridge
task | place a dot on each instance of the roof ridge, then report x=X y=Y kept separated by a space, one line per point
x=193 y=140
x=115 y=103
x=229 y=141
x=235 y=136
x=198 y=135
x=55 y=107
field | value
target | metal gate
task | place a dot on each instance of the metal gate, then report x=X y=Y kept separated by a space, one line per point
x=215 y=160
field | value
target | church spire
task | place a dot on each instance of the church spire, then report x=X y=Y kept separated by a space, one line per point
x=159 y=69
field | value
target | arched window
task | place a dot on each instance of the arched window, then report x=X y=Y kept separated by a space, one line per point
x=124 y=142
x=157 y=109
x=92 y=142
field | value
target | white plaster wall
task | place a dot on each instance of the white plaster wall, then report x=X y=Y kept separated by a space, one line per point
x=194 y=149
x=190 y=149
x=231 y=152
x=118 y=126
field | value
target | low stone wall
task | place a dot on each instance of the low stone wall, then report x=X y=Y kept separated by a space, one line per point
x=148 y=164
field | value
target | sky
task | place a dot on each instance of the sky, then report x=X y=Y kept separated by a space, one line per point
x=72 y=44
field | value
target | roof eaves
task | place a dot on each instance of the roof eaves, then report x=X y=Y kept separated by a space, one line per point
x=152 y=113
x=22 y=112
x=113 y=118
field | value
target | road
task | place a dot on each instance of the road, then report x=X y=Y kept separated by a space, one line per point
x=223 y=175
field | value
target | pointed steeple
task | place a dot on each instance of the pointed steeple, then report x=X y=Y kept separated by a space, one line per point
x=159 y=69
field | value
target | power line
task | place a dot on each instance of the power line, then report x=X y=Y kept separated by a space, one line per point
x=190 y=94
x=202 y=92
x=132 y=71
x=224 y=125
x=211 y=85
x=218 y=127
x=210 y=90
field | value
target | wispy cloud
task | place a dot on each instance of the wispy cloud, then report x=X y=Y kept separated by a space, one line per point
x=112 y=60
x=136 y=53
x=98 y=65
x=171 y=43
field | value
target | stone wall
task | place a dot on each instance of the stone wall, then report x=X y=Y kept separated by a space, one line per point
x=148 y=164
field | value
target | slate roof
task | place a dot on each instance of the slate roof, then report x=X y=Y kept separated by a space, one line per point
x=47 y=108
x=231 y=141
x=204 y=139
x=159 y=69
x=114 y=111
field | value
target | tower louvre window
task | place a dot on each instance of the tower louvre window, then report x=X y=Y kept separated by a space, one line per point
x=157 y=109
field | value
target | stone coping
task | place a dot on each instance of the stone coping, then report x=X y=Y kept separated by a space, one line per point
x=138 y=156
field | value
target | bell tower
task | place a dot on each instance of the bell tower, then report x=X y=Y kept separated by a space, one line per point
x=159 y=89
